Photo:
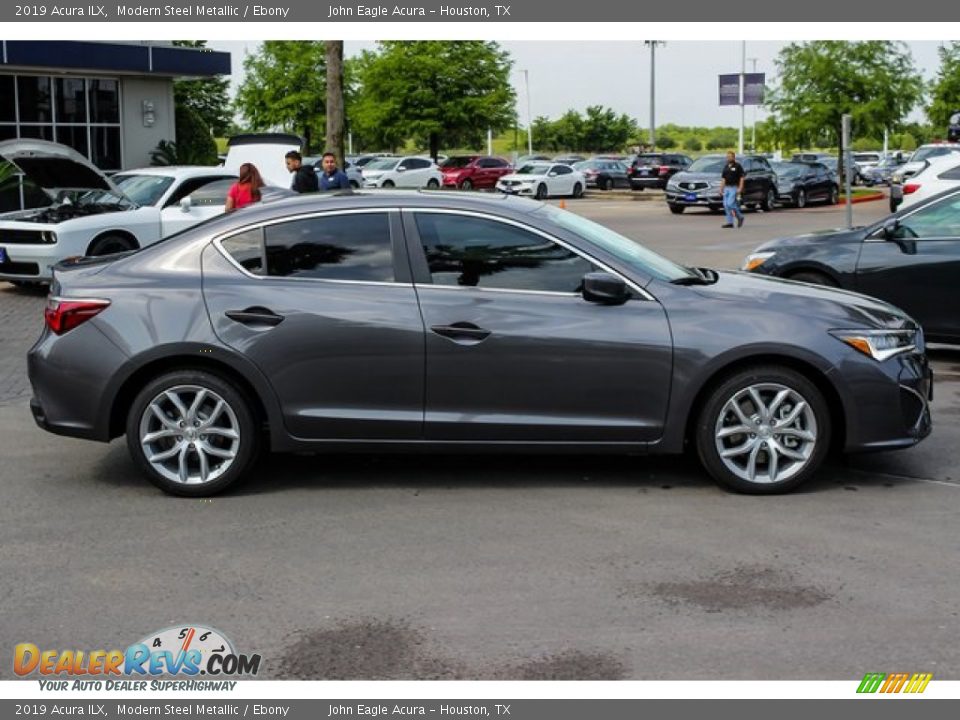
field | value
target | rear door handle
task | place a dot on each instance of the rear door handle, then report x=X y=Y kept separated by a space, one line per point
x=461 y=331
x=255 y=316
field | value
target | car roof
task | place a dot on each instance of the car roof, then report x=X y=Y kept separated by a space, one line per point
x=178 y=172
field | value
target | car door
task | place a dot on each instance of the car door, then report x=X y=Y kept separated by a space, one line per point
x=324 y=306
x=917 y=269
x=416 y=173
x=206 y=197
x=484 y=174
x=563 y=181
x=513 y=350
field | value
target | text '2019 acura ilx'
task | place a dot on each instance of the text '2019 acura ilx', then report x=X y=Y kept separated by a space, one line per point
x=377 y=322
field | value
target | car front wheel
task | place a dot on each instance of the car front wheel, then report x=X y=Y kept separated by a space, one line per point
x=541 y=192
x=764 y=430
x=801 y=201
x=769 y=200
x=676 y=209
x=578 y=190
x=192 y=433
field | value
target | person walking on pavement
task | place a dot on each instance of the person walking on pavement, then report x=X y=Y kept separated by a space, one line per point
x=731 y=186
x=332 y=177
x=304 y=178
x=246 y=190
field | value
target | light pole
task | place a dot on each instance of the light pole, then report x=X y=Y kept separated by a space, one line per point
x=743 y=71
x=652 y=44
x=753 y=128
x=526 y=82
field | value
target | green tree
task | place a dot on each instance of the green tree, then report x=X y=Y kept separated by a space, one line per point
x=874 y=81
x=208 y=97
x=195 y=144
x=285 y=88
x=666 y=142
x=437 y=92
x=693 y=144
x=908 y=142
x=604 y=130
x=945 y=89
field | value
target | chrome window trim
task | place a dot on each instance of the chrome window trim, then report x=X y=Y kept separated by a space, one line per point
x=536 y=231
x=217 y=242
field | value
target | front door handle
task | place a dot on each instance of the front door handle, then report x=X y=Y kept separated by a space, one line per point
x=255 y=316
x=461 y=331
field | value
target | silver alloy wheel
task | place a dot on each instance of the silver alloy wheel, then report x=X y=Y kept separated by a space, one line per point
x=801 y=198
x=189 y=434
x=766 y=433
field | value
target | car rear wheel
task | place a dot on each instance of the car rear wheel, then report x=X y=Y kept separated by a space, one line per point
x=764 y=430
x=466 y=185
x=606 y=184
x=769 y=200
x=541 y=192
x=111 y=244
x=814 y=278
x=801 y=199
x=676 y=209
x=192 y=433
x=578 y=190
x=432 y=184
x=834 y=195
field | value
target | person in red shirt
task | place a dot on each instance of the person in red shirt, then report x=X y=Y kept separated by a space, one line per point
x=246 y=190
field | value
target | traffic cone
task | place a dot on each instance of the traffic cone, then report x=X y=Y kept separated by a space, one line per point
x=563 y=204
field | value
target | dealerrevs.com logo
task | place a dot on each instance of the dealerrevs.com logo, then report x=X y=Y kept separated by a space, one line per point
x=888 y=683
x=183 y=650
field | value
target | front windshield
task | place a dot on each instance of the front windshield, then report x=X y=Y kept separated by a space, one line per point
x=534 y=169
x=630 y=253
x=708 y=164
x=388 y=164
x=143 y=189
x=457 y=162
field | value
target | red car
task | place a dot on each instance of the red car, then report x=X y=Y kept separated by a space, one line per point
x=473 y=172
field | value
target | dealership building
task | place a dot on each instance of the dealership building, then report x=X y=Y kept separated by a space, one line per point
x=112 y=102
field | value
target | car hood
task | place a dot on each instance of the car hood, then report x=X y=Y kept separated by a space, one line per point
x=840 y=308
x=54 y=167
x=817 y=237
x=695 y=177
x=516 y=176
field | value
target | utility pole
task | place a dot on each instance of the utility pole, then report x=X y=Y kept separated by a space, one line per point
x=743 y=72
x=753 y=129
x=526 y=81
x=652 y=44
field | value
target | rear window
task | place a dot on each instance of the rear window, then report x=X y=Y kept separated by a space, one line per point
x=649 y=160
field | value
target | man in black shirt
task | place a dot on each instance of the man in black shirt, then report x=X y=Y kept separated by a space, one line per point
x=304 y=177
x=732 y=188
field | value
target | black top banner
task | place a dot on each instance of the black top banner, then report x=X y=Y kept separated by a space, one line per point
x=457 y=11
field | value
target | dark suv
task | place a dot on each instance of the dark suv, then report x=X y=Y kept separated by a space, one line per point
x=653 y=170
x=699 y=185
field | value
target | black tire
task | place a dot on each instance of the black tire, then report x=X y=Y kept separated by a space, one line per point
x=769 y=200
x=676 y=209
x=814 y=278
x=236 y=412
x=834 y=196
x=354 y=185
x=716 y=415
x=800 y=199
x=607 y=184
x=387 y=184
x=541 y=193
x=432 y=184
x=111 y=244
x=578 y=190
x=466 y=185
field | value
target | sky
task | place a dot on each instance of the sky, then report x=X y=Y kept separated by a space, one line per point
x=568 y=75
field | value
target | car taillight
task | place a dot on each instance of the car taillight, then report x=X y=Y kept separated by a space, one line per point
x=63 y=315
x=664 y=169
x=910 y=188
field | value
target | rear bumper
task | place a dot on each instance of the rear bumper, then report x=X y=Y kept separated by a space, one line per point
x=648 y=183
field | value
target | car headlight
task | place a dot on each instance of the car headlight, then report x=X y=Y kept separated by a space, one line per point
x=755 y=260
x=672 y=186
x=715 y=184
x=878 y=344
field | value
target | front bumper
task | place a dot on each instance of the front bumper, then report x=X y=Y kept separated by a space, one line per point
x=29 y=262
x=695 y=198
x=889 y=406
x=517 y=189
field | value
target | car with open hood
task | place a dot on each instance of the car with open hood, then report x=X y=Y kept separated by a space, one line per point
x=461 y=322
x=92 y=214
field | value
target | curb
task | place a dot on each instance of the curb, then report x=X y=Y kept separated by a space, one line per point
x=864 y=198
x=625 y=195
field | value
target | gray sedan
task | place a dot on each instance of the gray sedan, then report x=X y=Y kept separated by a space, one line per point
x=431 y=322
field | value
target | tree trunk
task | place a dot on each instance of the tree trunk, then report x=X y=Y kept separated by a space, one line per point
x=335 y=115
x=434 y=146
x=306 y=139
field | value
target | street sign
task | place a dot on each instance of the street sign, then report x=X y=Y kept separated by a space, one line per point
x=753 y=88
x=730 y=89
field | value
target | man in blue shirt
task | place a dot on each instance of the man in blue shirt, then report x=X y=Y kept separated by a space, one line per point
x=332 y=178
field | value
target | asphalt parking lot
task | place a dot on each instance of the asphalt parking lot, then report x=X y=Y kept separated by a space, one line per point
x=423 y=567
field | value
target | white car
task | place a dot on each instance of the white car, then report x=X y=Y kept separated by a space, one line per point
x=941 y=174
x=403 y=172
x=543 y=180
x=92 y=214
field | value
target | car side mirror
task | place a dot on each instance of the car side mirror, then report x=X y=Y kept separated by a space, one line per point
x=889 y=229
x=185 y=204
x=605 y=289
